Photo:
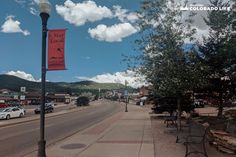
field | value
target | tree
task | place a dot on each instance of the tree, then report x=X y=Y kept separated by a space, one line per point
x=164 y=59
x=82 y=101
x=216 y=50
x=89 y=95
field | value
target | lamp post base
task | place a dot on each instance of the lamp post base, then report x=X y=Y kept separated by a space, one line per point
x=126 y=109
x=41 y=151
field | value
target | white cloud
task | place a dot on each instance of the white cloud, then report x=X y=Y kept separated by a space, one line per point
x=133 y=80
x=13 y=26
x=31 y=5
x=21 y=2
x=88 y=11
x=200 y=33
x=25 y=2
x=23 y=75
x=33 y=11
x=87 y=58
x=123 y=15
x=114 y=33
x=80 y=13
x=36 y=1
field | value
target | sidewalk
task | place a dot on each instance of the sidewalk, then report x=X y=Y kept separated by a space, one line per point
x=125 y=134
x=165 y=141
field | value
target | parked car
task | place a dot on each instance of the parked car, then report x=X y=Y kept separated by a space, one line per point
x=20 y=107
x=11 y=112
x=199 y=103
x=4 y=105
x=169 y=104
x=48 y=108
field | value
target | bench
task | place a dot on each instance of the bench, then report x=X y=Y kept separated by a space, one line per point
x=194 y=137
x=171 y=120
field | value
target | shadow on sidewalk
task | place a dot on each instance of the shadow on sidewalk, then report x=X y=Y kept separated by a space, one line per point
x=165 y=141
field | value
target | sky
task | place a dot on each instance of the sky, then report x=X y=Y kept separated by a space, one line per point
x=99 y=34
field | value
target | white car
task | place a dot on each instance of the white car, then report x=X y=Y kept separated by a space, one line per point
x=11 y=112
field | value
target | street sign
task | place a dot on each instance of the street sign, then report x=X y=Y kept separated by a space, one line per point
x=126 y=92
x=22 y=97
x=22 y=89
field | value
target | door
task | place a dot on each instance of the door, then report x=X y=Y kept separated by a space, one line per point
x=15 y=112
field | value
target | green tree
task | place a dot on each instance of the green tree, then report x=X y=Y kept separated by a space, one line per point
x=164 y=59
x=216 y=50
x=82 y=101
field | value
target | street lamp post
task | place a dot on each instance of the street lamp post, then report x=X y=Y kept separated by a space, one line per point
x=45 y=9
x=126 y=102
x=99 y=91
x=126 y=94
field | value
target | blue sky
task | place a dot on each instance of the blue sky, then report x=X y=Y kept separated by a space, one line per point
x=99 y=32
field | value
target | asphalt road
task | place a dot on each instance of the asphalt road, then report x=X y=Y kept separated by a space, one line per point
x=30 y=109
x=20 y=139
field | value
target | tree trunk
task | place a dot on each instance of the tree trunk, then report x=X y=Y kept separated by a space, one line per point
x=179 y=113
x=220 y=107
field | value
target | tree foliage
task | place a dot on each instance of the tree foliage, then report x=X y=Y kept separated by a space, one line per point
x=82 y=101
x=165 y=61
x=171 y=67
x=218 y=50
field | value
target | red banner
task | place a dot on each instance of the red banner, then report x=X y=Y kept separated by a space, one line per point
x=56 y=45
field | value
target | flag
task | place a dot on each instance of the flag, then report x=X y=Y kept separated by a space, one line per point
x=56 y=45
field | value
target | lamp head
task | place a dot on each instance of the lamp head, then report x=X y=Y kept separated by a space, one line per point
x=44 y=6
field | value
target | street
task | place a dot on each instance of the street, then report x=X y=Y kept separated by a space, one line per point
x=21 y=139
x=30 y=109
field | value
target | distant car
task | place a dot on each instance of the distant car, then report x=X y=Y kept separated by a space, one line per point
x=199 y=103
x=48 y=108
x=11 y=112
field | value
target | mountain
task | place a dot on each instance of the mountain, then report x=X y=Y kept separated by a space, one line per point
x=14 y=83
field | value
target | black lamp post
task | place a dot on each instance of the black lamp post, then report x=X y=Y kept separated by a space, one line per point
x=45 y=9
x=127 y=95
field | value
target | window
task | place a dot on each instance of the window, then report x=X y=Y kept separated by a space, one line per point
x=15 y=109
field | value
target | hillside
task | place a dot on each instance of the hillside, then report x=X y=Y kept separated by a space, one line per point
x=14 y=83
